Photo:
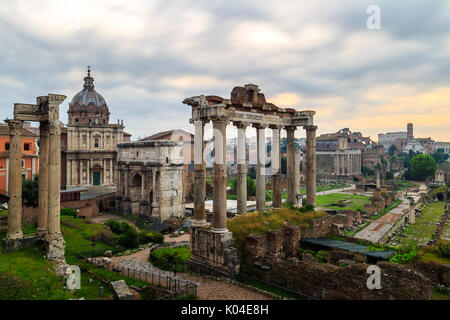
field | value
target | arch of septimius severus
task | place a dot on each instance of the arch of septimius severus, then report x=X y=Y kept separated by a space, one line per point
x=212 y=248
x=46 y=112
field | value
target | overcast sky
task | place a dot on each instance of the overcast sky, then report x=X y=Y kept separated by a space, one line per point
x=147 y=56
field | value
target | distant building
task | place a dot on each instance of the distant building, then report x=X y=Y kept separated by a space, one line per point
x=335 y=157
x=188 y=155
x=150 y=179
x=30 y=156
x=388 y=139
x=89 y=142
x=445 y=146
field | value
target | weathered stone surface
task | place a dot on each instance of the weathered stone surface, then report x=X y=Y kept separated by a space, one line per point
x=439 y=274
x=213 y=252
x=121 y=290
x=330 y=282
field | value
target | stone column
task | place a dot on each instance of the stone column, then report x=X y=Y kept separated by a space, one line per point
x=55 y=239
x=298 y=195
x=242 y=170
x=199 y=175
x=220 y=176
x=15 y=181
x=276 y=165
x=260 y=168
x=292 y=192
x=43 y=178
x=110 y=180
x=311 y=165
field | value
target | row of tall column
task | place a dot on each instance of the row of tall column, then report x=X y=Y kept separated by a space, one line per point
x=353 y=165
x=49 y=182
x=220 y=173
x=75 y=172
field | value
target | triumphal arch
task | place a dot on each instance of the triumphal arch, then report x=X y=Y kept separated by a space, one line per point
x=46 y=112
x=212 y=247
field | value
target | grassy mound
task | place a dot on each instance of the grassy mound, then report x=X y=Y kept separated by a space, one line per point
x=356 y=202
x=261 y=222
x=27 y=275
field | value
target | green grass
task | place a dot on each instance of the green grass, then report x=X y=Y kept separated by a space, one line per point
x=402 y=185
x=79 y=234
x=159 y=258
x=422 y=231
x=3 y=213
x=27 y=275
x=327 y=201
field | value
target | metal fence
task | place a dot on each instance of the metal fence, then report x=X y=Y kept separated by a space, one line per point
x=175 y=285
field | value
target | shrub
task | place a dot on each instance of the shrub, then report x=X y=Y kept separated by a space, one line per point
x=69 y=212
x=118 y=227
x=404 y=257
x=444 y=249
x=129 y=239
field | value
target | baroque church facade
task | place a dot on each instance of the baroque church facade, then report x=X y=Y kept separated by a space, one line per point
x=89 y=142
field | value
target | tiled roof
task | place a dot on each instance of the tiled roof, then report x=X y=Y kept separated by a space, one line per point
x=159 y=135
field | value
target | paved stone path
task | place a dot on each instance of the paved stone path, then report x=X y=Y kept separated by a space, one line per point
x=379 y=227
x=209 y=289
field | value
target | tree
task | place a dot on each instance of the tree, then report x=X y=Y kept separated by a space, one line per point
x=389 y=175
x=392 y=149
x=366 y=171
x=423 y=166
x=252 y=172
x=30 y=191
x=440 y=156
x=251 y=187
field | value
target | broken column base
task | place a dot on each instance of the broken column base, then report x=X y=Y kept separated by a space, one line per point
x=11 y=245
x=213 y=253
x=55 y=246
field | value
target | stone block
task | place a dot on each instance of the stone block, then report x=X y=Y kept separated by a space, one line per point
x=121 y=291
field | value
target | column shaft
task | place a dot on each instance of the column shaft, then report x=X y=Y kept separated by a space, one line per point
x=276 y=168
x=43 y=178
x=15 y=181
x=291 y=165
x=311 y=165
x=220 y=177
x=199 y=175
x=242 y=171
x=260 y=168
x=54 y=180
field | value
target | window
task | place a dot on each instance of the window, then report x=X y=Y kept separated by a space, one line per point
x=23 y=163
x=84 y=139
x=96 y=143
x=7 y=146
x=26 y=147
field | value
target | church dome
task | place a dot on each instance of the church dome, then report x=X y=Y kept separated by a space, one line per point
x=88 y=107
x=88 y=95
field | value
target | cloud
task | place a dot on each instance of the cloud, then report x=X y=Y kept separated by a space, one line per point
x=149 y=55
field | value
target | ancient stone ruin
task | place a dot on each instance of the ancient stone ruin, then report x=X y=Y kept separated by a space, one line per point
x=46 y=112
x=212 y=249
x=150 y=179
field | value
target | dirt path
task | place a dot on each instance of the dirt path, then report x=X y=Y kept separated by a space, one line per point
x=209 y=289
x=106 y=216
x=140 y=256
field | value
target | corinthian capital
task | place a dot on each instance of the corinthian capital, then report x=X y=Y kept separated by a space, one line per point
x=54 y=127
x=15 y=127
